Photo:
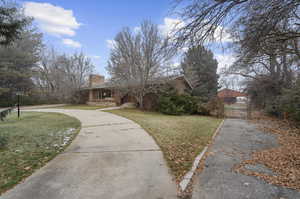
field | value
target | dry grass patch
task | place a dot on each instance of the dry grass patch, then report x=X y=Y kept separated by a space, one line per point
x=181 y=138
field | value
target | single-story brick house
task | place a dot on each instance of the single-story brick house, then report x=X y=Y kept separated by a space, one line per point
x=230 y=96
x=100 y=92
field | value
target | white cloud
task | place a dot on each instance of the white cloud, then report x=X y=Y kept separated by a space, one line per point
x=224 y=61
x=137 y=29
x=221 y=34
x=52 y=19
x=176 y=64
x=71 y=43
x=110 y=43
x=170 y=26
x=94 y=56
x=184 y=49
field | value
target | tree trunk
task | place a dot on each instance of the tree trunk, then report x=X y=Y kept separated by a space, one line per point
x=249 y=109
x=141 y=101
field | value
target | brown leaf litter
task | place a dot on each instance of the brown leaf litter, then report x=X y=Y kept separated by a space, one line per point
x=284 y=160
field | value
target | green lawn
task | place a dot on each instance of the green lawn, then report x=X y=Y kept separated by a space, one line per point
x=181 y=138
x=31 y=142
x=81 y=107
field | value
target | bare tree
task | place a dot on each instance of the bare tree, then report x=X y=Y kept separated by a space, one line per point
x=206 y=19
x=233 y=82
x=61 y=76
x=139 y=60
x=266 y=40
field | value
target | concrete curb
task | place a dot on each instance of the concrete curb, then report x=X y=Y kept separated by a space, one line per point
x=109 y=108
x=189 y=175
x=41 y=106
x=217 y=131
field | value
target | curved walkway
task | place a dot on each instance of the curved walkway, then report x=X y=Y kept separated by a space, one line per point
x=111 y=158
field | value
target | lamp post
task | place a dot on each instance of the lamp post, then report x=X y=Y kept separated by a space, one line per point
x=19 y=93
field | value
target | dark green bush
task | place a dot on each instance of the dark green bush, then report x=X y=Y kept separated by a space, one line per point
x=286 y=105
x=202 y=108
x=290 y=103
x=214 y=107
x=177 y=104
x=274 y=107
x=11 y=100
x=3 y=142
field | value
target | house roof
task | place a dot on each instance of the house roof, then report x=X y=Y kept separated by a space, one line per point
x=110 y=85
x=230 y=93
x=102 y=85
x=185 y=79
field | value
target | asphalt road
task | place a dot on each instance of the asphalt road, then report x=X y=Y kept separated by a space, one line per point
x=235 y=142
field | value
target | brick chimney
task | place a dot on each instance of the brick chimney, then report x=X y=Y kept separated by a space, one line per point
x=95 y=80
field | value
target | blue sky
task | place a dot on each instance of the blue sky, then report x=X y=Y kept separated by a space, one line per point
x=89 y=26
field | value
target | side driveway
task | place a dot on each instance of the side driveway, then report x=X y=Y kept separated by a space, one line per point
x=111 y=158
x=235 y=142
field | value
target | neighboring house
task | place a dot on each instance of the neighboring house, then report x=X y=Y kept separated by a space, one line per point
x=100 y=92
x=230 y=96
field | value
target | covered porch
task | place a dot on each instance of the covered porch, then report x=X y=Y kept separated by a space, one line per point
x=101 y=95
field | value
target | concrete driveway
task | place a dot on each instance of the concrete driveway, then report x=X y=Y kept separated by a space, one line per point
x=111 y=158
x=235 y=142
